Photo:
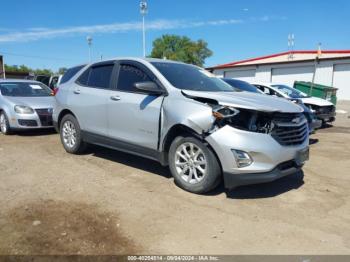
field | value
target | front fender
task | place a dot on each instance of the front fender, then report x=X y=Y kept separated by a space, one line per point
x=8 y=111
x=192 y=114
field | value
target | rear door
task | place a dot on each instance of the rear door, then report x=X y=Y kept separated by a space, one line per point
x=90 y=96
x=341 y=80
x=288 y=75
x=245 y=75
x=133 y=115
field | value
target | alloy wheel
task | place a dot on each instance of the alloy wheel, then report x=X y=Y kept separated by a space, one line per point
x=3 y=124
x=190 y=163
x=69 y=134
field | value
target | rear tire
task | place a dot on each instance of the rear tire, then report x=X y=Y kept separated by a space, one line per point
x=4 y=124
x=71 y=136
x=193 y=165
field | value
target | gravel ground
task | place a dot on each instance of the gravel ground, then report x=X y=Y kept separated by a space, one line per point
x=107 y=202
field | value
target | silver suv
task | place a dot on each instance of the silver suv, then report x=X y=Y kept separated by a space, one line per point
x=184 y=117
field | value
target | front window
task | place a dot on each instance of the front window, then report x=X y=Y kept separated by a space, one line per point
x=129 y=75
x=24 y=89
x=189 y=77
x=289 y=91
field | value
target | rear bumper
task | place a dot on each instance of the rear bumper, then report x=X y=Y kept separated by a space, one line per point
x=233 y=180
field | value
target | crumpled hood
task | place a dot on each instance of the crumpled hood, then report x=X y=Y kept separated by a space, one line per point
x=33 y=102
x=247 y=100
x=316 y=101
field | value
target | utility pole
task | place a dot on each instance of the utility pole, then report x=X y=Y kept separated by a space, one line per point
x=3 y=67
x=143 y=11
x=317 y=61
x=89 y=41
x=291 y=46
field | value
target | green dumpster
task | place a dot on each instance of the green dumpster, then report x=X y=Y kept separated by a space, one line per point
x=326 y=92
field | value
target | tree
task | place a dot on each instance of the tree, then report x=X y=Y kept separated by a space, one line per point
x=26 y=69
x=181 y=48
x=44 y=71
x=62 y=70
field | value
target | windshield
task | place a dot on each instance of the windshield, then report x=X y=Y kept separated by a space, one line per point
x=241 y=85
x=189 y=77
x=24 y=89
x=290 y=91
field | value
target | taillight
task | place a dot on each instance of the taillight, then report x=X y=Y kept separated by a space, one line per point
x=55 y=91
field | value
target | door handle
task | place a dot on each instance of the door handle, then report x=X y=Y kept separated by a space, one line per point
x=115 y=98
x=77 y=92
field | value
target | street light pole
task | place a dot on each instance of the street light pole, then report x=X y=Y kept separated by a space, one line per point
x=3 y=67
x=143 y=11
x=89 y=41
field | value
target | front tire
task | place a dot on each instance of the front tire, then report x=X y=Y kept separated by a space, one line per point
x=71 y=136
x=4 y=124
x=193 y=165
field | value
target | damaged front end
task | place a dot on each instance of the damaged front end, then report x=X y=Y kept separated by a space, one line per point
x=243 y=119
x=286 y=128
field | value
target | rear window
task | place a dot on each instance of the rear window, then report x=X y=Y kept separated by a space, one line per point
x=70 y=73
x=23 y=89
x=97 y=76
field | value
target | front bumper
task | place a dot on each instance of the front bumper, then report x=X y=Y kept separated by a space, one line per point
x=282 y=170
x=329 y=117
x=315 y=124
x=30 y=121
x=269 y=157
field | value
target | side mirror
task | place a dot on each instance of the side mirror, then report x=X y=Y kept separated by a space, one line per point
x=149 y=87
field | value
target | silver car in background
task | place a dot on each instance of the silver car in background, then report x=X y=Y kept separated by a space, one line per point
x=184 y=117
x=25 y=104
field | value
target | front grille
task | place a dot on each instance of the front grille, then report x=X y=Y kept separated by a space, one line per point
x=285 y=117
x=290 y=129
x=29 y=123
x=45 y=116
x=325 y=109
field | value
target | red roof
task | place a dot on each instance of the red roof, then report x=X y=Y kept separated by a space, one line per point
x=280 y=54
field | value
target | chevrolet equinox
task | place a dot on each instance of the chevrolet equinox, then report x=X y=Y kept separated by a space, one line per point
x=181 y=116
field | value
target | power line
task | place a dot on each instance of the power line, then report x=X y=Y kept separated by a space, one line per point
x=37 y=57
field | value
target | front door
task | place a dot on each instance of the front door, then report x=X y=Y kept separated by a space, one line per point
x=133 y=115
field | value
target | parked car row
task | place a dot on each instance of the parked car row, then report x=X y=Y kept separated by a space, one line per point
x=25 y=104
x=177 y=114
x=323 y=109
x=52 y=81
x=313 y=120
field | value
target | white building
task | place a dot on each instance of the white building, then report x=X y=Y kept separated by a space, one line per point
x=331 y=68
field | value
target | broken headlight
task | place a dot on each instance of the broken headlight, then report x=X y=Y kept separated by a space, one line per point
x=224 y=112
x=243 y=119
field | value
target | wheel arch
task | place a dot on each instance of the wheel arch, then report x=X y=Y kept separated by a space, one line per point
x=178 y=130
x=175 y=131
x=62 y=114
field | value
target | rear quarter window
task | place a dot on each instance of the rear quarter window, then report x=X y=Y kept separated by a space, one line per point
x=70 y=73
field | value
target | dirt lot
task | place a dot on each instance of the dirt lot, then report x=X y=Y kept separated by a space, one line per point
x=106 y=202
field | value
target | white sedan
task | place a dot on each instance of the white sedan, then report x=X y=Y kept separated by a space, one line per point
x=323 y=109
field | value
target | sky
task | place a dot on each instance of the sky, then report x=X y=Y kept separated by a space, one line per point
x=52 y=34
